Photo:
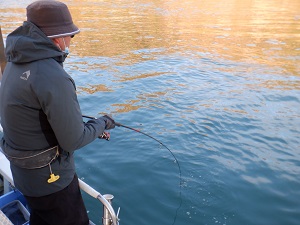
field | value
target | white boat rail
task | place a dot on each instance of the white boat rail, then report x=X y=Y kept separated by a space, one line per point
x=105 y=201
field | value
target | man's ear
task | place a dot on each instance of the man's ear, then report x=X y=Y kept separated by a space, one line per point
x=56 y=42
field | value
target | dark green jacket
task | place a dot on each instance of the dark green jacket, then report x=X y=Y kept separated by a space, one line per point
x=39 y=109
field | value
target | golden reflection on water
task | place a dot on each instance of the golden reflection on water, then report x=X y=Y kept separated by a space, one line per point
x=91 y=89
x=252 y=31
x=144 y=75
x=265 y=32
x=128 y=25
x=126 y=107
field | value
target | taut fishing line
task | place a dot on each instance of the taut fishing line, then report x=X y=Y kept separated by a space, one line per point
x=177 y=162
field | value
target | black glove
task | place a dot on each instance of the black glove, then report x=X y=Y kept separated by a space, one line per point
x=109 y=122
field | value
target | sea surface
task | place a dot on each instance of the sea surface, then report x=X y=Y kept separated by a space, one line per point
x=216 y=82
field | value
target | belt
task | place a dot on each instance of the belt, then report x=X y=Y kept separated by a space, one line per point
x=32 y=159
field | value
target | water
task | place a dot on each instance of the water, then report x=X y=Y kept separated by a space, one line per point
x=218 y=82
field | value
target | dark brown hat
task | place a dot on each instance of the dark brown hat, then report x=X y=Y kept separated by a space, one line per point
x=52 y=17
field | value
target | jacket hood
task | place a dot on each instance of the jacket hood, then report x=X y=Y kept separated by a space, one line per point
x=28 y=43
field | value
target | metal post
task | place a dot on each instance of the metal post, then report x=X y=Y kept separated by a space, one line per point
x=106 y=220
x=6 y=186
x=2 y=56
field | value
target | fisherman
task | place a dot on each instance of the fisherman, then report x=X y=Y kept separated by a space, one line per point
x=41 y=117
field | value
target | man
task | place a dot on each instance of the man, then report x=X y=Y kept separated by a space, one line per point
x=41 y=118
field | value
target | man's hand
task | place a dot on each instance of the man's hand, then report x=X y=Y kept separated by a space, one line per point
x=109 y=122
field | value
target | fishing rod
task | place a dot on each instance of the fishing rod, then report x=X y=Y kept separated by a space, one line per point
x=141 y=132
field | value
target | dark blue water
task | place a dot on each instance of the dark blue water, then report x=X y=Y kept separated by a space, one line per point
x=236 y=139
x=219 y=86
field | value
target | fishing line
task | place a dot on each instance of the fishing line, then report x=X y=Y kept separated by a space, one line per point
x=177 y=162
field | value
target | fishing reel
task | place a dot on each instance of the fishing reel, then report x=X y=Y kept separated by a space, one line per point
x=105 y=135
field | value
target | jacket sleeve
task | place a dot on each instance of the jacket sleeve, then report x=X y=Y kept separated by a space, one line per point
x=58 y=99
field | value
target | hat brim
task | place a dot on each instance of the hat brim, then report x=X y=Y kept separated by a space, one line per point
x=62 y=31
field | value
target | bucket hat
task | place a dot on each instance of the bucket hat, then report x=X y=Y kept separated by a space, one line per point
x=52 y=17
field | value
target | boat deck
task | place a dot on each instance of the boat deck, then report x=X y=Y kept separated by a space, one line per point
x=4 y=220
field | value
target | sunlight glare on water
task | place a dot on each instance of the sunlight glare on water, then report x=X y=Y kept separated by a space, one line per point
x=217 y=82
